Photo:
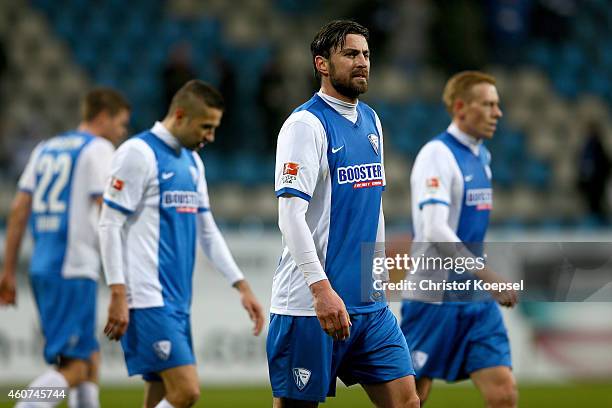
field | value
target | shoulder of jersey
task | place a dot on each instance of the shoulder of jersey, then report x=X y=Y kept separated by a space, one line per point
x=136 y=146
x=434 y=147
x=305 y=117
x=102 y=143
x=367 y=107
x=198 y=159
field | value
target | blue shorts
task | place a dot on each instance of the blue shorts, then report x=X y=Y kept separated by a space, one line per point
x=304 y=361
x=157 y=338
x=67 y=309
x=450 y=341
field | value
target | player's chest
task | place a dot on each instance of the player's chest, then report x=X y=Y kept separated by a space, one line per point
x=353 y=147
x=176 y=173
x=474 y=181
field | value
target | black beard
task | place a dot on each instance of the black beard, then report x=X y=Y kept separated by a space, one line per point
x=347 y=89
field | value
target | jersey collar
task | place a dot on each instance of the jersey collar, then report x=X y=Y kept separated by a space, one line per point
x=346 y=109
x=469 y=141
x=164 y=134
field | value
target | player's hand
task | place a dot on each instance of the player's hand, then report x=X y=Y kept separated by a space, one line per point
x=251 y=305
x=506 y=298
x=331 y=311
x=8 y=289
x=118 y=313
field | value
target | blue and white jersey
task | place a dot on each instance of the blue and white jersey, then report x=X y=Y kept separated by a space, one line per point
x=64 y=175
x=452 y=170
x=337 y=166
x=161 y=187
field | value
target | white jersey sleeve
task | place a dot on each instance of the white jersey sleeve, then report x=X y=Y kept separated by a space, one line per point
x=382 y=150
x=95 y=160
x=299 y=152
x=27 y=181
x=131 y=169
x=432 y=175
x=204 y=203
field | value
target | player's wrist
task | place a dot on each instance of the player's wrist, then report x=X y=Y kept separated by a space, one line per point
x=320 y=287
x=242 y=286
x=117 y=290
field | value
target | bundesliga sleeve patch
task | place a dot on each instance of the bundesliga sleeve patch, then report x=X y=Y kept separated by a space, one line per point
x=290 y=172
x=432 y=183
x=291 y=169
x=117 y=184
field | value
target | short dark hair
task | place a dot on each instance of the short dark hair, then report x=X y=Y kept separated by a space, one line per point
x=102 y=99
x=194 y=92
x=332 y=36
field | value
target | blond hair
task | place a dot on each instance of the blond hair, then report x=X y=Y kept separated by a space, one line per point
x=460 y=85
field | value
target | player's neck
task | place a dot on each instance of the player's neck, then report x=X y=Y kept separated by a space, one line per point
x=328 y=89
x=90 y=128
x=464 y=133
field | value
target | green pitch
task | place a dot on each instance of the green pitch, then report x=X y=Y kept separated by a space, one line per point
x=531 y=396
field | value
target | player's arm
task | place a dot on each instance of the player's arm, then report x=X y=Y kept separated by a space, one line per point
x=330 y=308
x=129 y=173
x=18 y=221
x=379 y=248
x=297 y=168
x=214 y=246
x=111 y=249
x=440 y=233
x=431 y=184
x=96 y=160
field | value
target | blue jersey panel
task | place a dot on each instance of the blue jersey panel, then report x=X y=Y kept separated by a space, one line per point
x=477 y=193
x=49 y=220
x=178 y=208
x=356 y=174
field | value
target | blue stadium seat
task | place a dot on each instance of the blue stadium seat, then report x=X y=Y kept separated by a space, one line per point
x=565 y=82
x=540 y=54
x=537 y=173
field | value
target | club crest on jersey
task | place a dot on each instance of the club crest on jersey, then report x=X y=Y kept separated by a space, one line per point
x=419 y=358
x=162 y=349
x=374 y=142
x=301 y=376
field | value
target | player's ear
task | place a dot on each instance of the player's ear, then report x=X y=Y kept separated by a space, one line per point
x=179 y=114
x=458 y=108
x=322 y=65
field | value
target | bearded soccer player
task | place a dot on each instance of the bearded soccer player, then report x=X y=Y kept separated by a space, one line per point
x=451 y=202
x=326 y=320
x=156 y=208
x=60 y=192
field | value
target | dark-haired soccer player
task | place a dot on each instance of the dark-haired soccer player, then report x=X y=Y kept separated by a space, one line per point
x=60 y=192
x=326 y=321
x=155 y=209
x=451 y=202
